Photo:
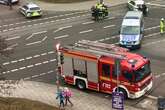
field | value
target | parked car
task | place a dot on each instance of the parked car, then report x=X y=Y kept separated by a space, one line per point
x=31 y=10
x=6 y=2
x=138 y=5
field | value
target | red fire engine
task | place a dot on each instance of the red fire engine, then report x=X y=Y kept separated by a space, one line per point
x=89 y=64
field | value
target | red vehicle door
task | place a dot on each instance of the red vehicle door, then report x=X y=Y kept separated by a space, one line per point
x=105 y=77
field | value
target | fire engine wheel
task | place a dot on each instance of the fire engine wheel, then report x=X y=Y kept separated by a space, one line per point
x=80 y=84
x=124 y=92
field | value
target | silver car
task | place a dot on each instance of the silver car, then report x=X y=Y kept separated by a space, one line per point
x=6 y=2
x=136 y=5
x=31 y=10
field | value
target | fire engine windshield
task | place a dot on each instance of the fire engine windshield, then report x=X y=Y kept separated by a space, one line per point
x=142 y=72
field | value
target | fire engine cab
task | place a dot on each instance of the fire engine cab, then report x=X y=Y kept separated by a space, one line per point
x=91 y=65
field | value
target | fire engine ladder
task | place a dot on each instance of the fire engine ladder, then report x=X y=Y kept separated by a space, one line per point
x=101 y=48
x=109 y=47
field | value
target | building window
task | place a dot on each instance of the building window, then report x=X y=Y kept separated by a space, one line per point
x=106 y=70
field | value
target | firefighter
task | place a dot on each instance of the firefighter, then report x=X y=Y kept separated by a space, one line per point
x=162 y=25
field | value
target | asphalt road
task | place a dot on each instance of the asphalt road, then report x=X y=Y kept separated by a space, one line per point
x=33 y=41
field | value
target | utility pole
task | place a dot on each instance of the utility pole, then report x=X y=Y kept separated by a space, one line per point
x=58 y=66
x=117 y=65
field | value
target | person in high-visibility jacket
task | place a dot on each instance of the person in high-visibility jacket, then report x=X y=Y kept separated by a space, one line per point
x=162 y=26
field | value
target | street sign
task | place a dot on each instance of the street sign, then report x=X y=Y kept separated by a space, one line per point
x=118 y=100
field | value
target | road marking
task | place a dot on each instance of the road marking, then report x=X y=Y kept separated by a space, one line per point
x=50 y=52
x=51 y=71
x=52 y=60
x=27 y=78
x=35 y=76
x=37 y=42
x=6 y=63
x=45 y=62
x=110 y=18
x=44 y=54
x=154 y=4
x=152 y=28
x=108 y=26
x=65 y=27
x=14 y=70
x=21 y=68
x=63 y=36
x=35 y=56
x=149 y=35
x=17 y=37
x=14 y=61
x=88 y=22
x=44 y=38
x=21 y=59
x=41 y=32
x=86 y=31
x=10 y=47
x=61 y=28
x=37 y=64
x=151 y=43
x=27 y=58
x=30 y=66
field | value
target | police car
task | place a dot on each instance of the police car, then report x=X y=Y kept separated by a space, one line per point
x=6 y=2
x=31 y=10
x=136 y=5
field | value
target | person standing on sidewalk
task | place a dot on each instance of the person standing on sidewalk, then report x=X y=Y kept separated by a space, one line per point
x=162 y=25
x=60 y=95
x=67 y=94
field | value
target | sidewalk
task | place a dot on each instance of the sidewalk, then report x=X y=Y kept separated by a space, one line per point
x=46 y=93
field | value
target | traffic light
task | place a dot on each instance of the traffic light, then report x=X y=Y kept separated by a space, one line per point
x=62 y=58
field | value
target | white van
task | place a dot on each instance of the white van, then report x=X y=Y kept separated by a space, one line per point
x=132 y=28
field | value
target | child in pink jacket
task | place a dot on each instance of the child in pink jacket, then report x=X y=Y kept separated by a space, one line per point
x=67 y=95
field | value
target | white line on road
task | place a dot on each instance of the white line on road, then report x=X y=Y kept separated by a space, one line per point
x=51 y=71
x=108 y=26
x=59 y=37
x=50 y=52
x=30 y=66
x=37 y=42
x=37 y=64
x=88 y=22
x=14 y=70
x=52 y=60
x=154 y=34
x=41 y=32
x=154 y=27
x=17 y=37
x=21 y=59
x=86 y=31
x=21 y=68
x=35 y=56
x=45 y=62
x=27 y=58
x=44 y=54
x=14 y=61
x=6 y=63
x=65 y=27
x=44 y=38
x=154 y=4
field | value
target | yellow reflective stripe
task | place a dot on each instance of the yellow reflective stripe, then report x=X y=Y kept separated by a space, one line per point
x=104 y=78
